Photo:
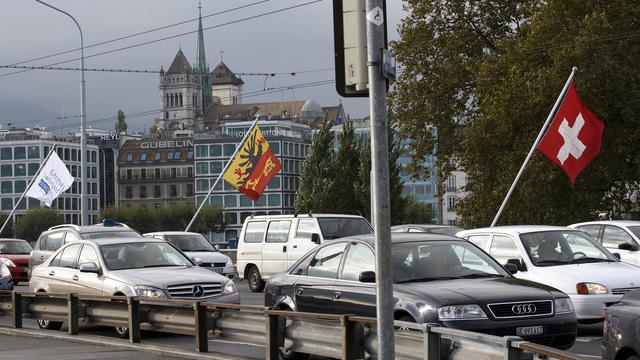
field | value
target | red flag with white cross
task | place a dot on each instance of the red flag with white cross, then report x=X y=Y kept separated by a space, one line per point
x=574 y=137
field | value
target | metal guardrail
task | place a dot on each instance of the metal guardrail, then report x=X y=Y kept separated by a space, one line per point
x=334 y=336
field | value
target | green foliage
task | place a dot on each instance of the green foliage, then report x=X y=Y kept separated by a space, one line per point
x=416 y=212
x=210 y=218
x=121 y=124
x=35 y=221
x=167 y=218
x=8 y=230
x=487 y=78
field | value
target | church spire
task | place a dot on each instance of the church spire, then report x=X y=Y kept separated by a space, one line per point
x=201 y=67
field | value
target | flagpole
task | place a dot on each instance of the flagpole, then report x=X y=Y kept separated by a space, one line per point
x=535 y=144
x=222 y=173
x=28 y=187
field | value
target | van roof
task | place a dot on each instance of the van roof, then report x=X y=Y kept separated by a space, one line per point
x=291 y=216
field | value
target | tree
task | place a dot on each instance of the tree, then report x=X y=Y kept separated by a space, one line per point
x=35 y=221
x=345 y=170
x=210 y=219
x=121 y=124
x=416 y=212
x=8 y=230
x=486 y=80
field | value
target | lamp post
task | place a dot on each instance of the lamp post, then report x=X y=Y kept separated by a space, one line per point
x=84 y=203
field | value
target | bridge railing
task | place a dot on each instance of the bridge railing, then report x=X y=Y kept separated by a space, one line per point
x=333 y=336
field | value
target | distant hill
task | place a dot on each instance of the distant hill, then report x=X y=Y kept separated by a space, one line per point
x=24 y=115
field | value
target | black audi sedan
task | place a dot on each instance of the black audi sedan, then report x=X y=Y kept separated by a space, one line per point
x=437 y=279
x=621 y=333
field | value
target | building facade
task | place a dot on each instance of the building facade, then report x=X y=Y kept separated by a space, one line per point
x=454 y=191
x=21 y=154
x=155 y=173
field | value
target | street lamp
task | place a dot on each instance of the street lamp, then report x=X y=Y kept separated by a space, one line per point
x=84 y=203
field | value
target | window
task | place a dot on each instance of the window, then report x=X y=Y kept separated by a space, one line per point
x=19 y=153
x=189 y=189
x=173 y=172
x=202 y=185
x=278 y=231
x=32 y=169
x=230 y=201
x=255 y=232
x=274 y=200
x=74 y=155
x=177 y=156
x=451 y=183
x=94 y=156
x=275 y=147
x=326 y=261
x=69 y=255
x=479 y=240
x=94 y=172
x=156 y=173
x=593 y=230
x=157 y=156
x=274 y=183
x=33 y=152
x=129 y=156
x=202 y=151
x=306 y=227
x=129 y=174
x=202 y=168
x=6 y=170
x=128 y=192
x=20 y=186
x=19 y=170
x=190 y=155
x=216 y=167
x=228 y=149
x=173 y=191
x=156 y=191
x=612 y=236
x=360 y=258
x=143 y=156
x=6 y=153
x=143 y=191
x=54 y=241
x=451 y=203
x=143 y=173
x=6 y=203
x=245 y=202
x=215 y=150
x=170 y=155
x=504 y=248
x=6 y=187
x=87 y=255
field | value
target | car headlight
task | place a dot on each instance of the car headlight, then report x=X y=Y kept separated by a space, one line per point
x=150 y=292
x=8 y=262
x=4 y=271
x=229 y=263
x=229 y=288
x=461 y=312
x=563 y=306
x=591 y=289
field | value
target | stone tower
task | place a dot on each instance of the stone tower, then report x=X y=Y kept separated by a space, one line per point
x=180 y=95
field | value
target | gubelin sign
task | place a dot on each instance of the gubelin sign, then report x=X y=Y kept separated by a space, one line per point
x=165 y=144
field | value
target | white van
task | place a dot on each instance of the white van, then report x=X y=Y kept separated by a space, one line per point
x=270 y=244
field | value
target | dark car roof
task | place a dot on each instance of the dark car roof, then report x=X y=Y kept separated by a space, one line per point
x=405 y=237
x=13 y=240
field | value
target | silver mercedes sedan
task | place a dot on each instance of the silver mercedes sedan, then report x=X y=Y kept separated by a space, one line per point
x=148 y=268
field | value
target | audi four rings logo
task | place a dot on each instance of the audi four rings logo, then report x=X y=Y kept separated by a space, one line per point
x=524 y=309
x=198 y=291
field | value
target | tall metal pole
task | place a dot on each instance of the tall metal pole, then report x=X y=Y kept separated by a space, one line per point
x=380 y=185
x=84 y=191
x=535 y=145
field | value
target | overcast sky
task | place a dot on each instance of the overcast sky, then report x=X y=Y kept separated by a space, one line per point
x=296 y=40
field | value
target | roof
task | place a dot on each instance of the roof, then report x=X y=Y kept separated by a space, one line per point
x=406 y=237
x=291 y=216
x=222 y=75
x=610 y=222
x=422 y=226
x=514 y=229
x=180 y=65
x=278 y=109
x=113 y=241
x=10 y=239
x=170 y=233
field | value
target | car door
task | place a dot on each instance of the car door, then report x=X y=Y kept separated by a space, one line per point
x=301 y=241
x=61 y=270
x=350 y=296
x=87 y=283
x=274 y=249
x=613 y=236
x=314 y=290
x=48 y=245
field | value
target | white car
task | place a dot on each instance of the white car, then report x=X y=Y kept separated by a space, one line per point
x=564 y=258
x=621 y=236
x=201 y=251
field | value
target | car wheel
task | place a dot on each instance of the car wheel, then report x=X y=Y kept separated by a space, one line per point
x=49 y=325
x=284 y=353
x=122 y=332
x=256 y=284
x=406 y=318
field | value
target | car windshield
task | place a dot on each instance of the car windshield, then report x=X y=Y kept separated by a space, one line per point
x=190 y=242
x=110 y=234
x=448 y=230
x=15 y=247
x=560 y=247
x=441 y=260
x=142 y=255
x=635 y=230
x=336 y=227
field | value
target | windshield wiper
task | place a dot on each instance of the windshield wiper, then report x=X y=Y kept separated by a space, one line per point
x=161 y=265
x=479 y=275
x=591 y=259
x=426 y=279
x=552 y=262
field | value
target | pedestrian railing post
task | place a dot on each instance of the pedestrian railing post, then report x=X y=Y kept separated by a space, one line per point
x=16 y=304
x=432 y=341
x=512 y=352
x=133 y=305
x=273 y=336
x=201 y=331
x=72 y=314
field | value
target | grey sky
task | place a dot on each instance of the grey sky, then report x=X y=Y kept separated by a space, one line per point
x=291 y=41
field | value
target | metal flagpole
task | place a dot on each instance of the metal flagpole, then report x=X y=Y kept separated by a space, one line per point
x=222 y=173
x=28 y=187
x=535 y=144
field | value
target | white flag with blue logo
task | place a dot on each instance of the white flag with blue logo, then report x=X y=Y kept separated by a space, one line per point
x=53 y=180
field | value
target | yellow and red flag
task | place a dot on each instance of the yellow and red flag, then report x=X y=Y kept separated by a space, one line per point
x=253 y=167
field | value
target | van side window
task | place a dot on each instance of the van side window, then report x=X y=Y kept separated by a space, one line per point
x=54 y=241
x=306 y=227
x=255 y=232
x=479 y=240
x=278 y=231
x=70 y=237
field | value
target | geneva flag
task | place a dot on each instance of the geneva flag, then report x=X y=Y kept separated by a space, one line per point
x=53 y=180
x=253 y=167
x=573 y=138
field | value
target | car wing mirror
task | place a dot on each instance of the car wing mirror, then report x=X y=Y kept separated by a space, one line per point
x=315 y=238
x=627 y=246
x=89 y=267
x=616 y=255
x=520 y=266
x=511 y=268
x=367 y=277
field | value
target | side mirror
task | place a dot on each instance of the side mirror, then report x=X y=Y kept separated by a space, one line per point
x=315 y=238
x=616 y=255
x=628 y=247
x=511 y=268
x=520 y=266
x=89 y=267
x=367 y=277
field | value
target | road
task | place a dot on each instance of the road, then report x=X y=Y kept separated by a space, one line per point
x=587 y=344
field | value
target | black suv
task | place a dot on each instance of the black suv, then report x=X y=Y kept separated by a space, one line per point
x=52 y=239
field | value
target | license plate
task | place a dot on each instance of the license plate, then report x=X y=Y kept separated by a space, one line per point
x=217 y=269
x=529 y=330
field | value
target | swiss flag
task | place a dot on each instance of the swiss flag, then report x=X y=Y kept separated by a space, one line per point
x=574 y=137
